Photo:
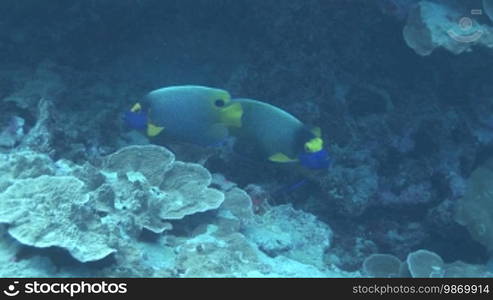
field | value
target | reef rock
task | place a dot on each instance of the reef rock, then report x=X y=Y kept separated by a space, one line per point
x=284 y=231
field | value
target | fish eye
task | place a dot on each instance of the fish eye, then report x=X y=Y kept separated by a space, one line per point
x=219 y=102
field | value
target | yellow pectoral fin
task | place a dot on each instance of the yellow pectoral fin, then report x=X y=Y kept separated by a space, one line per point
x=153 y=130
x=281 y=158
x=231 y=115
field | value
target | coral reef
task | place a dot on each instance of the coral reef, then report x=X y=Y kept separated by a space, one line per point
x=140 y=187
x=405 y=110
x=421 y=263
x=50 y=211
x=97 y=212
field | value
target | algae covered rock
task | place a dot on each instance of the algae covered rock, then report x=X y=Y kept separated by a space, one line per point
x=23 y=164
x=209 y=255
x=284 y=231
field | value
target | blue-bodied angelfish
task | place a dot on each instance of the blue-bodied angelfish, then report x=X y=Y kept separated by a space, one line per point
x=274 y=134
x=192 y=114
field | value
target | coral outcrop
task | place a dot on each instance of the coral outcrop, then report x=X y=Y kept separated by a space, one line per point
x=100 y=212
x=82 y=209
x=53 y=211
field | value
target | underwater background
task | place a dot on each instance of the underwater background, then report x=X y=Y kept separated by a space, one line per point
x=402 y=91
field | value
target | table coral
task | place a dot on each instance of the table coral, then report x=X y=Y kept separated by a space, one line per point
x=89 y=212
x=52 y=211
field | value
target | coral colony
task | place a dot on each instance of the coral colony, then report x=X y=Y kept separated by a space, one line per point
x=399 y=91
